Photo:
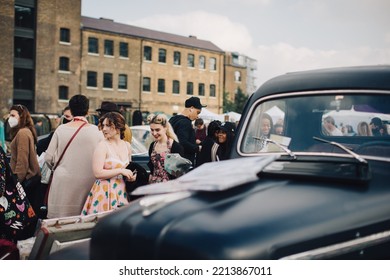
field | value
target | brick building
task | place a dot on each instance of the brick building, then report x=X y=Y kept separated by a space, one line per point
x=49 y=52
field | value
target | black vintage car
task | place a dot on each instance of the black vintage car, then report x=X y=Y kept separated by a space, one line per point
x=308 y=178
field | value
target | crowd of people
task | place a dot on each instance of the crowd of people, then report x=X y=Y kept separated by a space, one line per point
x=90 y=163
x=376 y=127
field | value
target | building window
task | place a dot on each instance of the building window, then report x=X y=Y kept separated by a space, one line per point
x=65 y=35
x=202 y=62
x=146 y=84
x=237 y=76
x=122 y=81
x=63 y=92
x=176 y=58
x=191 y=60
x=162 y=55
x=108 y=47
x=176 y=87
x=91 y=79
x=93 y=45
x=107 y=80
x=23 y=47
x=24 y=17
x=123 y=49
x=190 y=88
x=64 y=63
x=23 y=78
x=148 y=53
x=213 y=64
x=212 y=90
x=201 y=89
x=161 y=85
x=235 y=59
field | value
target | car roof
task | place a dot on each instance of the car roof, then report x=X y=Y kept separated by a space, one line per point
x=357 y=77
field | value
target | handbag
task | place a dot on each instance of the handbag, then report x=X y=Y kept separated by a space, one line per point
x=46 y=173
x=50 y=176
x=141 y=180
x=17 y=217
x=176 y=165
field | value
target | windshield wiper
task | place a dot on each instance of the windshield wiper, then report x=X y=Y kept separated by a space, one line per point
x=342 y=147
x=289 y=152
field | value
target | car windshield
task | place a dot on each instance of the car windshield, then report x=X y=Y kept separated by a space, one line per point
x=359 y=120
x=137 y=147
x=142 y=134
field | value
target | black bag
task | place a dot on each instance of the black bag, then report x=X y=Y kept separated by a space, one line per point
x=35 y=192
x=17 y=217
x=142 y=177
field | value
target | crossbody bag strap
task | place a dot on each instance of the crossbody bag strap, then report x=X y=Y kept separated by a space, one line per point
x=67 y=145
x=54 y=167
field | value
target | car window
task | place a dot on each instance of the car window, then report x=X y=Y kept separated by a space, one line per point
x=137 y=147
x=142 y=134
x=353 y=119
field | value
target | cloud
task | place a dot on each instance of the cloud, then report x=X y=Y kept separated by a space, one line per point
x=281 y=58
x=273 y=59
x=218 y=29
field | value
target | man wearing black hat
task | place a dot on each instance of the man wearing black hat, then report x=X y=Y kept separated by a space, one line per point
x=107 y=107
x=376 y=125
x=182 y=125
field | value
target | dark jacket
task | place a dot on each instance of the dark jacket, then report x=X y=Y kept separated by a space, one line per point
x=186 y=135
x=210 y=152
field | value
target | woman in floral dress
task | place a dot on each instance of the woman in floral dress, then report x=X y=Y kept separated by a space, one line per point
x=165 y=142
x=110 y=159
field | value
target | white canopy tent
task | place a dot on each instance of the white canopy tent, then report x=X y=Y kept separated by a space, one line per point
x=208 y=115
x=352 y=117
x=232 y=116
x=276 y=114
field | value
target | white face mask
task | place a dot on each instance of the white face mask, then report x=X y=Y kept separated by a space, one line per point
x=12 y=121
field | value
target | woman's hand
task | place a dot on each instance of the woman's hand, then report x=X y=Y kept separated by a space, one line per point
x=129 y=175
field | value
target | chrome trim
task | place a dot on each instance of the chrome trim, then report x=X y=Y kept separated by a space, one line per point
x=321 y=154
x=335 y=250
x=152 y=203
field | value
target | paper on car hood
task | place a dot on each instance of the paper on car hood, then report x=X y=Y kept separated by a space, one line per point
x=213 y=176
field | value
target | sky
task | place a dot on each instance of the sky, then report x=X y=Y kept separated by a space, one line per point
x=282 y=35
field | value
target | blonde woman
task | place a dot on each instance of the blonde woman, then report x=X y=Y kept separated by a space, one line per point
x=165 y=142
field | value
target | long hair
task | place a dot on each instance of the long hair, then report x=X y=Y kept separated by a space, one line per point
x=25 y=120
x=363 y=129
x=163 y=120
x=114 y=119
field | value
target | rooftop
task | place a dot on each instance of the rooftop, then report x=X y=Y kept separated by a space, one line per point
x=111 y=26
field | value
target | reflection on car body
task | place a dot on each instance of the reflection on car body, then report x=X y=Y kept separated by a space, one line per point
x=310 y=195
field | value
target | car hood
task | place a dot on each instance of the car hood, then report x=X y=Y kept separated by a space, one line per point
x=266 y=218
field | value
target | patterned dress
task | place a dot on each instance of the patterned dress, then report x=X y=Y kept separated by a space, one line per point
x=159 y=174
x=107 y=194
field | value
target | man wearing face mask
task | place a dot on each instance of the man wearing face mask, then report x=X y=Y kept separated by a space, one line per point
x=44 y=142
x=24 y=162
x=66 y=115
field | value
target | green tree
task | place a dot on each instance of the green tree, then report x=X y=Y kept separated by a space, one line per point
x=240 y=100
x=237 y=105
x=228 y=105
